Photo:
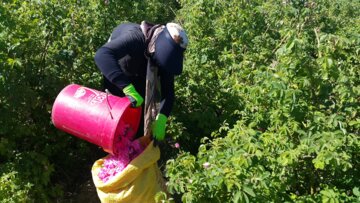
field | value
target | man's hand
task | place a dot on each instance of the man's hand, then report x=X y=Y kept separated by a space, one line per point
x=158 y=127
x=135 y=98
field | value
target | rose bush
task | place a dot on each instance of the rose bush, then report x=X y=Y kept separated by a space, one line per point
x=271 y=91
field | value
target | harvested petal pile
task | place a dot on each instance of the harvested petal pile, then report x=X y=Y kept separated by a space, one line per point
x=125 y=151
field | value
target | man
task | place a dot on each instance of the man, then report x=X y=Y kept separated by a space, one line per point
x=123 y=63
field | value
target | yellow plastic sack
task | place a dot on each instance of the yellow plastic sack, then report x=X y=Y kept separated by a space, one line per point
x=137 y=183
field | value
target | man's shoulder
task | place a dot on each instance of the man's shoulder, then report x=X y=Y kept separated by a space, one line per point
x=127 y=30
x=126 y=27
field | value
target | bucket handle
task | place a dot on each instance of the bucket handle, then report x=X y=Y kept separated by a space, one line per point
x=108 y=104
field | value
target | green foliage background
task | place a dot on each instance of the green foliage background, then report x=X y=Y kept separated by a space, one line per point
x=271 y=91
x=45 y=45
x=267 y=108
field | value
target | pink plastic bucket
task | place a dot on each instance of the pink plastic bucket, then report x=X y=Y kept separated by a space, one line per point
x=94 y=116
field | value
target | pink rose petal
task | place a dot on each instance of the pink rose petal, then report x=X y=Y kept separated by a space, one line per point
x=125 y=151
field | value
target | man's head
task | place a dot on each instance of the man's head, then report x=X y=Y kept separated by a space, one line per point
x=169 y=48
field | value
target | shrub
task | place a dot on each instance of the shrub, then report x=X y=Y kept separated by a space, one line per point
x=45 y=45
x=274 y=86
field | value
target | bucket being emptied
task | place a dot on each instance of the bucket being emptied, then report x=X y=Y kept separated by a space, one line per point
x=95 y=116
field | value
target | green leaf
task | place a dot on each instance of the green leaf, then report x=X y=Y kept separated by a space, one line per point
x=356 y=191
x=249 y=191
x=319 y=164
x=237 y=197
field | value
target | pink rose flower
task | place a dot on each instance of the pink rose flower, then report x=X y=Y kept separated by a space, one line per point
x=206 y=165
x=125 y=151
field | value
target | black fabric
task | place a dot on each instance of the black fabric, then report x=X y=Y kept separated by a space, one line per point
x=123 y=55
x=168 y=54
x=122 y=61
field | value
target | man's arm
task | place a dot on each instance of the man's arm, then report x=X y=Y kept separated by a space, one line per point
x=106 y=58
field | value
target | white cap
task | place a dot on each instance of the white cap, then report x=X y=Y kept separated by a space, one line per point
x=178 y=34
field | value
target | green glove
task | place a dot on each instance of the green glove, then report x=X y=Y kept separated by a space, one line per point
x=135 y=98
x=158 y=127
